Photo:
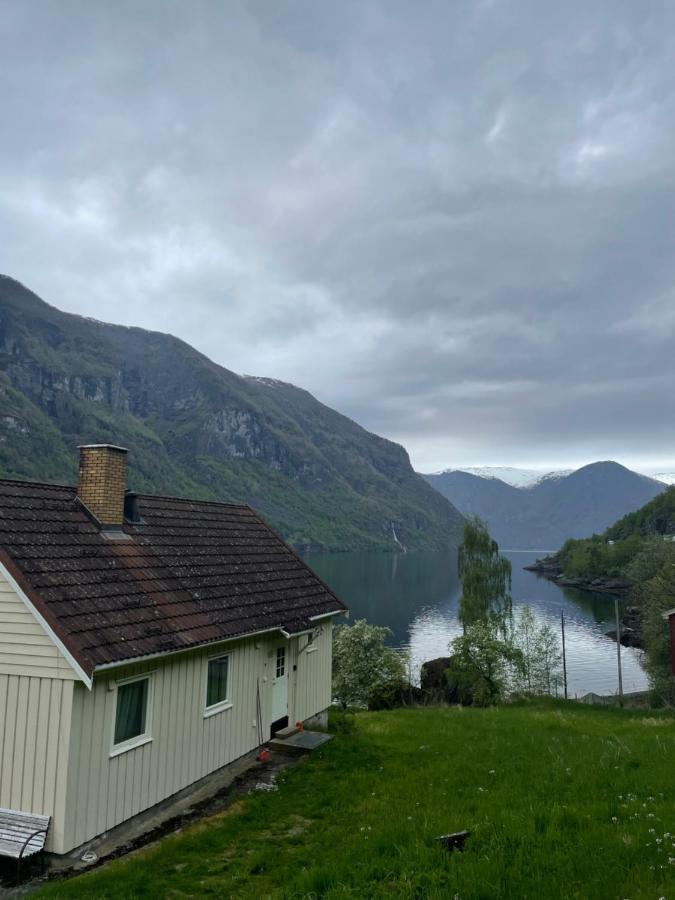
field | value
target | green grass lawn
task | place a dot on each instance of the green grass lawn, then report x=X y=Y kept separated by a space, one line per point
x=562 y=801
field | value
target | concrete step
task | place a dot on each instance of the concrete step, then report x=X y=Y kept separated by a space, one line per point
x=284 y=733
x=300 y=743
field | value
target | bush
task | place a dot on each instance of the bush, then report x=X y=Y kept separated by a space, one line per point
x=485 y=667
x=540 y=669
x=481 y=665
x=365 y=670
x=656 y=595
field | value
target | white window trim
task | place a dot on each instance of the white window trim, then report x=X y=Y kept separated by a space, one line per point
x=276 y=662
x=222 y=705
x=217 y=708
x=141 y=739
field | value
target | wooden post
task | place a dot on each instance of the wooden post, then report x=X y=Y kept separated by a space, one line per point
x=618 y=647
x=562 y=626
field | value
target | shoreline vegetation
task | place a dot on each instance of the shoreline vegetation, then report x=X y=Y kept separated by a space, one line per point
x=631 y=560
x=551 y=568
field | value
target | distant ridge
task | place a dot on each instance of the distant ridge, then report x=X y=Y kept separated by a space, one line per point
x=521 y=478
x=544 y=513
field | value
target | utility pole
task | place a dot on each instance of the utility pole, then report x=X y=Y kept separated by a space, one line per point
x=562 y=626
x=618 y=647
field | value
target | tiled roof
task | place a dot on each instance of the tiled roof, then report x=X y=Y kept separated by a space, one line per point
x=192 y=573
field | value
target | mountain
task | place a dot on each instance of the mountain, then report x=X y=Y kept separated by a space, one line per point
x=656 y=518
x=665 y=477
x=195 y=429
x=544 y=515
x=516 y=477
x=623 y=559
x=525 y=478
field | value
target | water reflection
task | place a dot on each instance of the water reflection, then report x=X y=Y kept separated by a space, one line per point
x=417 y=595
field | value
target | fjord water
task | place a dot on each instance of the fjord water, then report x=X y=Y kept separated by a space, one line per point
x=417 y=596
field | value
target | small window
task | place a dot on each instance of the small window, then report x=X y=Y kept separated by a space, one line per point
x=132 y=714
x=216 y=682
x=281 y=662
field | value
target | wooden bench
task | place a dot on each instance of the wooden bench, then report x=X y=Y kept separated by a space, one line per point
x=22 y=835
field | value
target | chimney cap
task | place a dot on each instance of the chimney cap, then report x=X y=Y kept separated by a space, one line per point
x=102 y=447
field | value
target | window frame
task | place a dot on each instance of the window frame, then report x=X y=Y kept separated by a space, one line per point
x=282 y=649
x=140 y=739
x=221 y=705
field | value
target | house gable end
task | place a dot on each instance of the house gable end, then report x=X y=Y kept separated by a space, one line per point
x=28 y=646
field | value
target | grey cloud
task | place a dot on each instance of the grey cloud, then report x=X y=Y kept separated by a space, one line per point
x=452 y=222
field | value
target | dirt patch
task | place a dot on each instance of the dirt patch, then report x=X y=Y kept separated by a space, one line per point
x=299 y=824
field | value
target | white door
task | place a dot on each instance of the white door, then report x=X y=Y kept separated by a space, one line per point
x=280 y=684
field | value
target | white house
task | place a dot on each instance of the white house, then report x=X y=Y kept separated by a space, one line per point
x=138 y=635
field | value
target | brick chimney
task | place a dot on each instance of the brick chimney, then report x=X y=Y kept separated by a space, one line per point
x=103 y=481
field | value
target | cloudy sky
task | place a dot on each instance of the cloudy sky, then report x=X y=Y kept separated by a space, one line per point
x=452 y=221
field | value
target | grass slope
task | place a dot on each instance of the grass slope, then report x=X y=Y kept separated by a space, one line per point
x=564 y=801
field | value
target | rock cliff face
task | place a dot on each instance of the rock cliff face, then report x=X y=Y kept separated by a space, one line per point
x=194 y=428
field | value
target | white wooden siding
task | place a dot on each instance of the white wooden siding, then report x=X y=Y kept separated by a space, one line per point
x=25 y=648
x=56 y=734
x=104 y=791
x=313 y=676
x=35 y=716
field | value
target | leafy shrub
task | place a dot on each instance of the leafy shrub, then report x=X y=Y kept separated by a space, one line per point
x=365 y=670
x=540 y=671
x=480 y=667
x=486 y=667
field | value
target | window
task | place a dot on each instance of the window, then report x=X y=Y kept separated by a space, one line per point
x=216 y=684
x=281 y=662
x=132 y=714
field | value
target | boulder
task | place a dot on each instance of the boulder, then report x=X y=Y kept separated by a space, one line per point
x=432 y=676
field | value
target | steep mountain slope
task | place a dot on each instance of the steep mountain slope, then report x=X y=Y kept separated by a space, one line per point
x=654 y=518
x=196 y=429
x=544 y=515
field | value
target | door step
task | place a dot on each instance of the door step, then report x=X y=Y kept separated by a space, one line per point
x=284 y=733
x=299 y=743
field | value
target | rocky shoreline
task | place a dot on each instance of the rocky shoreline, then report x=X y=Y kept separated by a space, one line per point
x=631 y=633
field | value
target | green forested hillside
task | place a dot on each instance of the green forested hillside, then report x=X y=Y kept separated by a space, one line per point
x=611 y=554
x=196 y=429
x=635 y=556
x=655 y=517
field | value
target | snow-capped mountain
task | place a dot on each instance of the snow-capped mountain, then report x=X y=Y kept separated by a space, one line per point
x=665 y=477
x=540 y=510
x=527 y=478
x=520 y=478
